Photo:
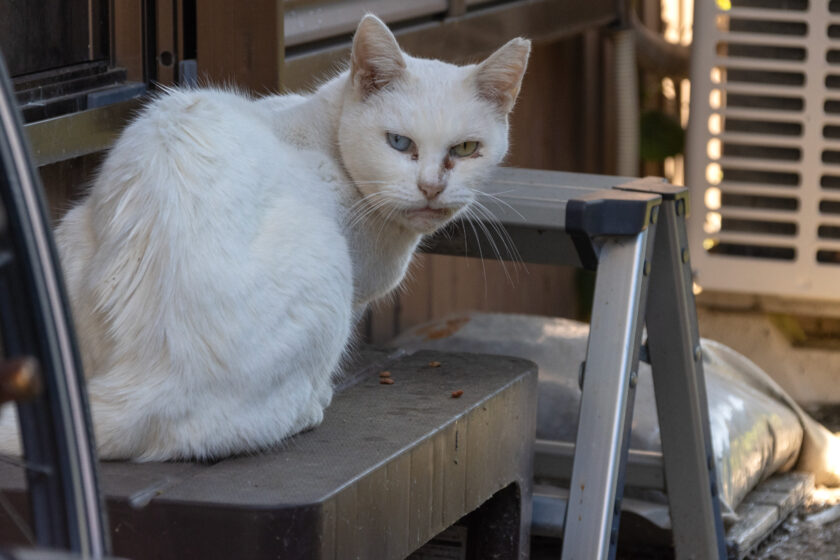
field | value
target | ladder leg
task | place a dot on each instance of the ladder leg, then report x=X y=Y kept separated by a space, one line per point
x=680 y=391
x=606 y=404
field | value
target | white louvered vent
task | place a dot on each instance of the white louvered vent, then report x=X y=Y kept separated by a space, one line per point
x=764 y=147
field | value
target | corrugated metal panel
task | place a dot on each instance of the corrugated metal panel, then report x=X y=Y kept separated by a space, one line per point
x=764 y=147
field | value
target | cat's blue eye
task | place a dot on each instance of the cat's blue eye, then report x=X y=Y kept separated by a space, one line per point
x=399 y=143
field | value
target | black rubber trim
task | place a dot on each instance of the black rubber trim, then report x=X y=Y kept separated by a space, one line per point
x=658 y=185
x=609 y=212
x=35 y=321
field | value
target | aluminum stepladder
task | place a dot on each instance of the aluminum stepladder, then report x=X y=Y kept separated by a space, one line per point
x=633 y=234
x=643 y=279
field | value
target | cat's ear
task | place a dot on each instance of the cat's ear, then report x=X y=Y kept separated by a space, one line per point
x=376 y=59
x=500 y=76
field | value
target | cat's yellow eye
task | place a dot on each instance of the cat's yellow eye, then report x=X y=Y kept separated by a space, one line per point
x=464 y=149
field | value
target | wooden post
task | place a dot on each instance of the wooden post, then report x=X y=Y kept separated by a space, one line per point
x=127 y=47
x=240 y=43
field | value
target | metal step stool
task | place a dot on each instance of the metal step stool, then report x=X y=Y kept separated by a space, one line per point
x=390 y=467
x=632 y=232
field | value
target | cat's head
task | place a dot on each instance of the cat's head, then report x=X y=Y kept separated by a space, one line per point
x=419 y=136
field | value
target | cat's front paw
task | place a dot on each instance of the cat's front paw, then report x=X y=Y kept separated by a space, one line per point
x=314 y=418
x=312 y=415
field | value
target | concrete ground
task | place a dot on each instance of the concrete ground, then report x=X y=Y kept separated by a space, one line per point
x=803 y=536
x=813 y=531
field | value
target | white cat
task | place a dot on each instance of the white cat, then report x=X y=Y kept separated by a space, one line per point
x=217 y=265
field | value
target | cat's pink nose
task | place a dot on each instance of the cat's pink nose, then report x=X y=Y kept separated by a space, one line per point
x=430 y=190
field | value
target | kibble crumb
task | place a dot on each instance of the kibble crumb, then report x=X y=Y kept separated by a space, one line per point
x=457 y=394
x=434 y=364
x=386 y=381
x=384 y=374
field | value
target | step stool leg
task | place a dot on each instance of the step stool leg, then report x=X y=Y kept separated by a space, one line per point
x=680 y=390
x=606 y=404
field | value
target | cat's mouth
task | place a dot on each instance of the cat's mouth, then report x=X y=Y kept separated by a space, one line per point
x=428 y=219
x=430 y=213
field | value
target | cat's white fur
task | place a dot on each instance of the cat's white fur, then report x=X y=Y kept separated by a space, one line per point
x=218 y=262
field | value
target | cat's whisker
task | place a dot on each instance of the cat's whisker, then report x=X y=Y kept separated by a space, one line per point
x=469 y=214
x=503 y=234
x=446 y=233
x=366 y=207
x=492 y=241
x=386 y=219
x=464 y=229
x=498 y=193
x=500 y=200
x=482 y=215
x=393 y=210
x=479 y=220
x=373 y=211
x=359 y=211
x=364 y=199
x=496 y=224
x=514 y=256
x=367 y=212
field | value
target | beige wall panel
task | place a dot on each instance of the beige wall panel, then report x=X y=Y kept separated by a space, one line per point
x=441 y=285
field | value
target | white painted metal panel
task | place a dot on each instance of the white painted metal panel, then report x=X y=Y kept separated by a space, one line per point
x=764 y=147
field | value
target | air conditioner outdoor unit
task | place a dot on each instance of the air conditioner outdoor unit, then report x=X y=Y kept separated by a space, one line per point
x=764 y=147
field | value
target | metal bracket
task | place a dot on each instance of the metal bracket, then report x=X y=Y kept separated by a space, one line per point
x=658 y=185
x=603 y=213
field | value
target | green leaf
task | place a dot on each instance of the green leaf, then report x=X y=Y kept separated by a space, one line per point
x=661 y=136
